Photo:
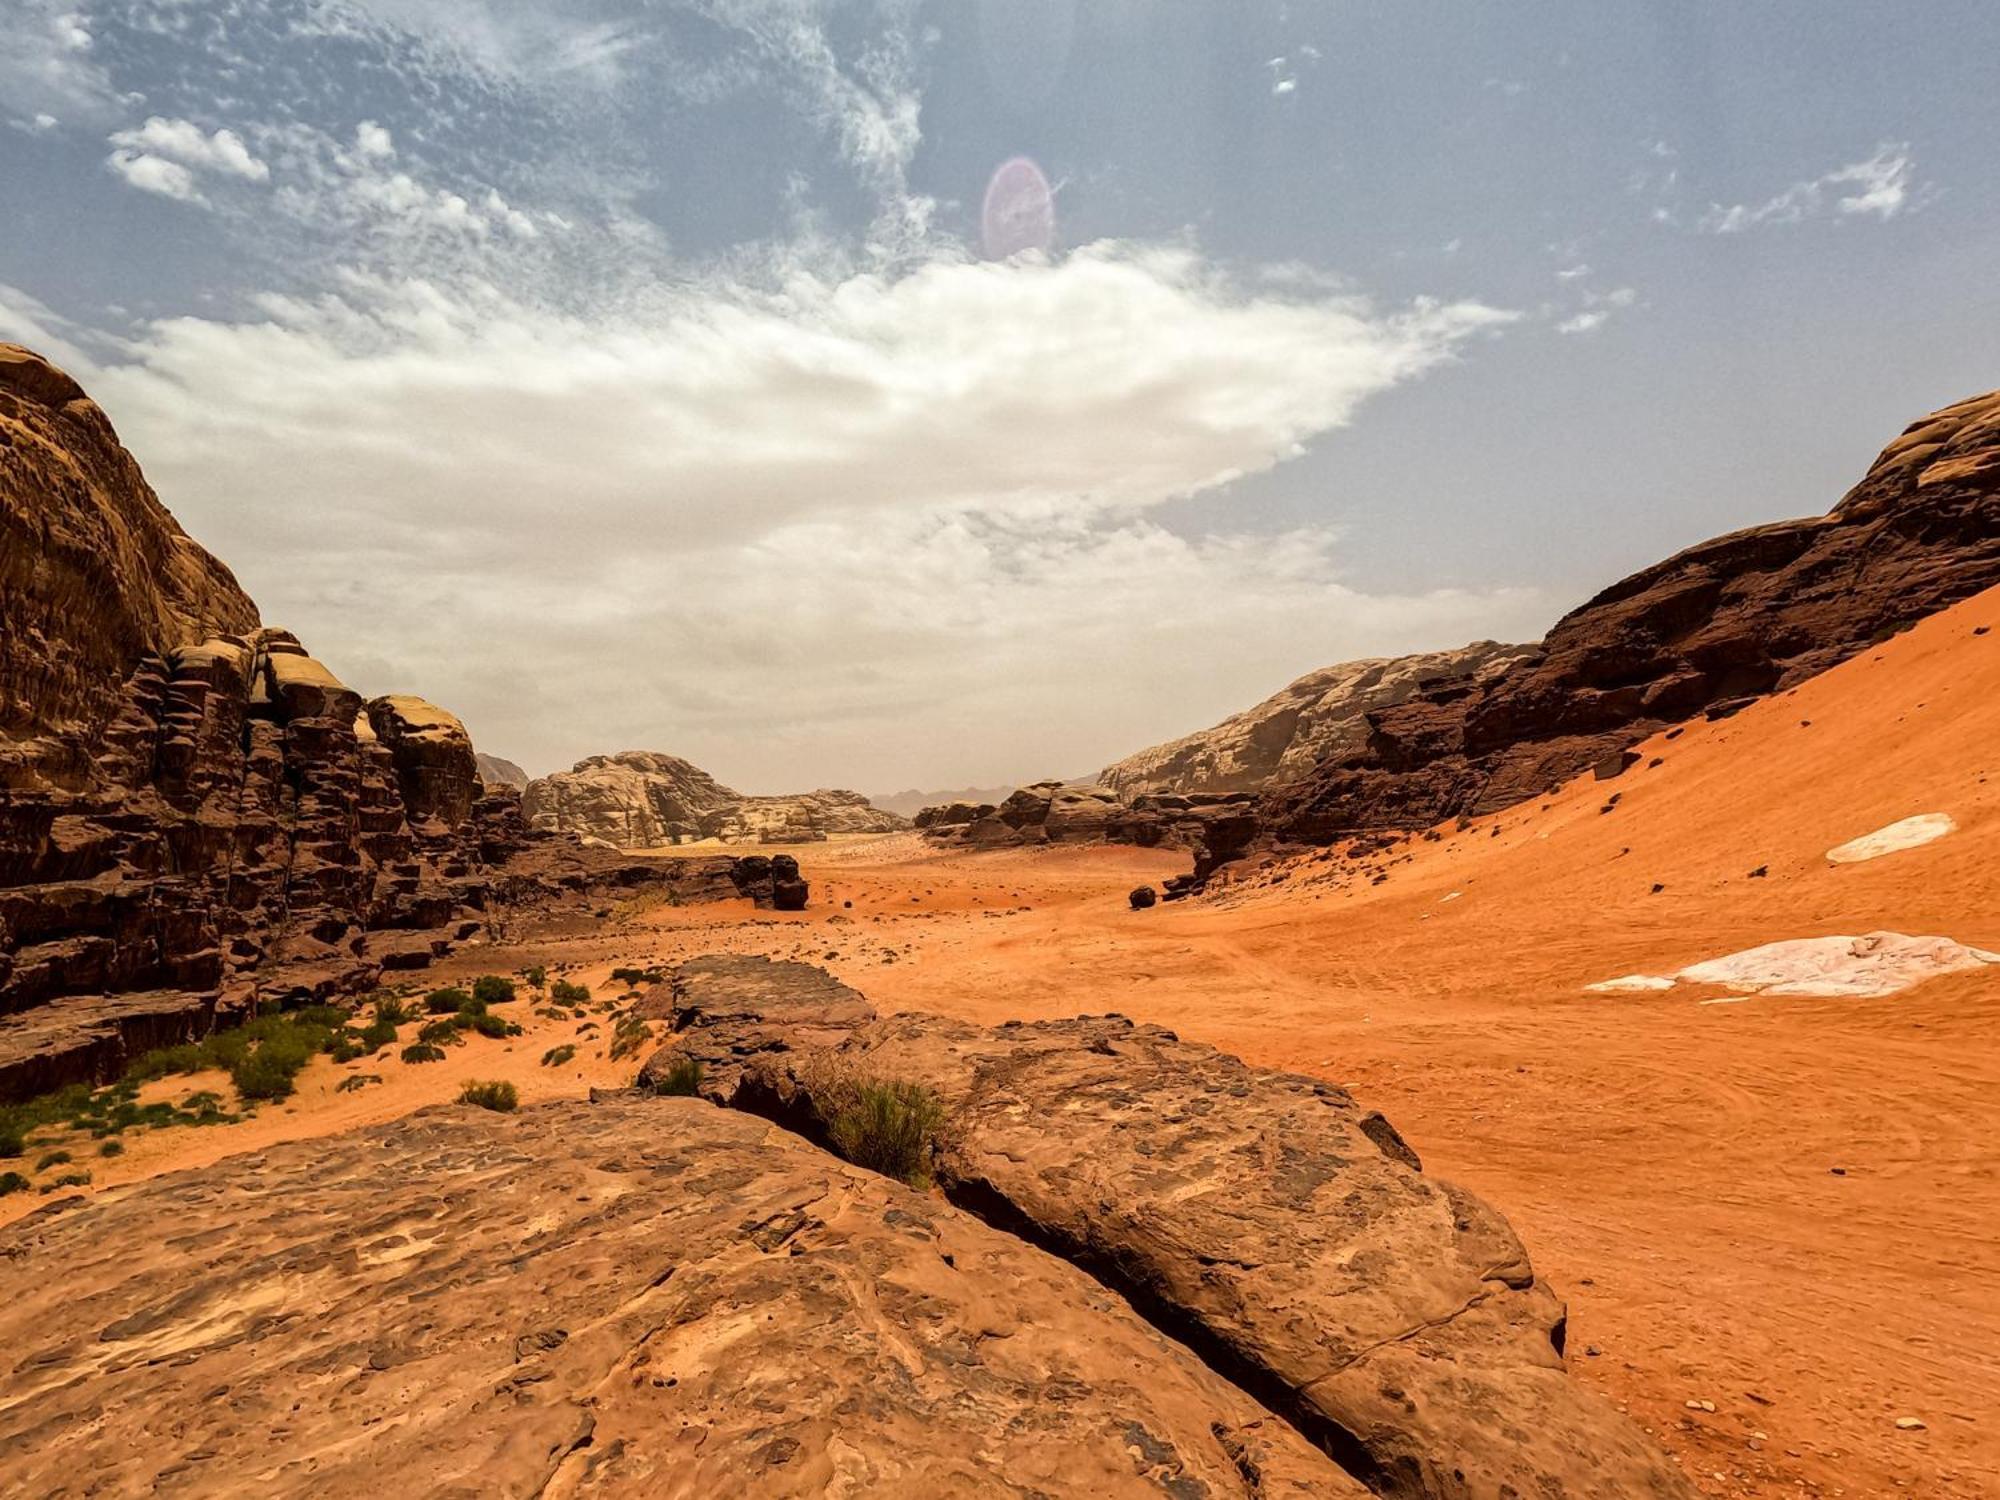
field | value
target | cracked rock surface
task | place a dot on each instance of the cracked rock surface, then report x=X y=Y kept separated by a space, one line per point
x=1283 y=1231
x=638 y=1296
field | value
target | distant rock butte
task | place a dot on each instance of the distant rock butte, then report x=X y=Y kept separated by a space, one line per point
x=908 y=804
x=1321 y=715
x=497 y=772
x=638 y=1297
x=195 y=815
x=641 y=799
x=1282 y=1231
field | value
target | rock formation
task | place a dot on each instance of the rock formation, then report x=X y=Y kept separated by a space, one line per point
x=635 y=1297
x=1321 y=716
x=1281 y=1230
x=195 y=815
x=640 y=799
x=497 y=772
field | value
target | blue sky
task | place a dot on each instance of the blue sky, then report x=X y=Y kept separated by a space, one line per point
x=629 y=375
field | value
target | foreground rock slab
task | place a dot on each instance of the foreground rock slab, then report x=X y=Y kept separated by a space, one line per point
x=634 y=1297
x=1281 y=1230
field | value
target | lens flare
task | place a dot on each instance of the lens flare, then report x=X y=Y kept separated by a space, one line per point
x=1019 y=214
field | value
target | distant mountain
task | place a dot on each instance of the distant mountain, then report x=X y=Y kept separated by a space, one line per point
x=1321 y=715
x=909 y=804
x=642 y=799
x=497 y=772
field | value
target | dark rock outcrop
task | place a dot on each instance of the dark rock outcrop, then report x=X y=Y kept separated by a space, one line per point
x=1283 y=1231
x=1746 y=614
x=635 y=1297
x=1057 y=812
x=196 y=815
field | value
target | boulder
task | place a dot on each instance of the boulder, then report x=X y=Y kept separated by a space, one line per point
x=435 y=765
x=1144 y=897
x=630 y=1298
x=1284 y=1231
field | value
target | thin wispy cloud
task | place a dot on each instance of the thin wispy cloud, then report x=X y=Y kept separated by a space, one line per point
x=1883 y=187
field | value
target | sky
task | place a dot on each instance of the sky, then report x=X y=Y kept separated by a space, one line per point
x=889 y=394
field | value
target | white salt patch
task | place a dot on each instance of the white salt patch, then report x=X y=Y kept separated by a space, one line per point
x=1911 y=833
x=1630 y=984
x=1879 y=963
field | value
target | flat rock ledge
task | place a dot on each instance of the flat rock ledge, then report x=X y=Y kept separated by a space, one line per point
x=1283 y=1232
x=633 y=1297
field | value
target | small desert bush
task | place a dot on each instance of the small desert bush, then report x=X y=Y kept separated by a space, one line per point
x=356 y=1082
x=537 y=977
x=12 y=1142
x=683 y=1078
x=392 y=1011
x=444 y=1033
x=555 y=1057
x=112 y=1148
x=565 y=993
x=53 y=1159
x=12 y=1182
x=493 y=1026
x=629 y=1035
x=422 y=1052
x=447 y=1002
x=491 y=989
x=378 y=1033
x=636 y=976
x=68 y=1179
x=503 y=1097
x=888 y=1127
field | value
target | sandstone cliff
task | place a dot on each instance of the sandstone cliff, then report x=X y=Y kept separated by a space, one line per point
x=195 y=815
x=1320 y=716
x=641 y=799
x=93 y=571
x=1750 y=613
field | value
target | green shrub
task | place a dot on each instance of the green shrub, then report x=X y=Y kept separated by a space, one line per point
x=11 y=1182
x=494 y=1026
x=683 y=1077
x=491 y=989
x=356 y=1082
x=496 y=1096
x=111 y=1148
x=636 y=976
x=68 y=1179
x=441 y=1033
x=537 y=977
x=12 y=1143
x=391 y=1011
x=422 y=1052
x=446 y=1001
x=565 y=993
x=53 y=1159
x=555 y=1057
x=891 y=1128
x=378 y=1033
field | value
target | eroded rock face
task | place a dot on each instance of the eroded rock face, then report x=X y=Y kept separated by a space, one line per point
x=195 y=814
x=640 y=799
x=495 y=771
x=94 y=574
x=1280 y=1229
x=637 y=1297
x=1750 y=613
x=1321 y=716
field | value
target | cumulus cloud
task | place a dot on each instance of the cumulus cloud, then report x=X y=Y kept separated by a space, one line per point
x=155 y=174
x=182 y=141
x=885 y=504
x=1882 y=187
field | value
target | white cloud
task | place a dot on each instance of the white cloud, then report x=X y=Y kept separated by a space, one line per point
x=47 y=63
x=155 y=174
x=221 y=151
x=880 y=505
x=1883 y=187
x=1584 y=322
x=1597 y=307
x=374 y=141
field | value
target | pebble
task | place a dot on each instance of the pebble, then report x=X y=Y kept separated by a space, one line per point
x=1909 y=1424
x=1701 y=1406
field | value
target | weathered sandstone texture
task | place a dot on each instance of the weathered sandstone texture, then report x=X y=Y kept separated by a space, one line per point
x=1746 y=614
x=1319 y=717
x=1281 y=1230
x=196 y=815
x=641 y=799
x=644 y=1297
x=1056 y=812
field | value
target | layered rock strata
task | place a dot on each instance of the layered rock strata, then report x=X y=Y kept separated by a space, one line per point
x=1276 y=1226
x=636 y=1297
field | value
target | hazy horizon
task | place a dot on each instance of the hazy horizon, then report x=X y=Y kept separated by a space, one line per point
x=912 y=396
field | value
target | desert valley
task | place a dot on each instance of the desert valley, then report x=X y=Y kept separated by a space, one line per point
x=1556 y=1069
